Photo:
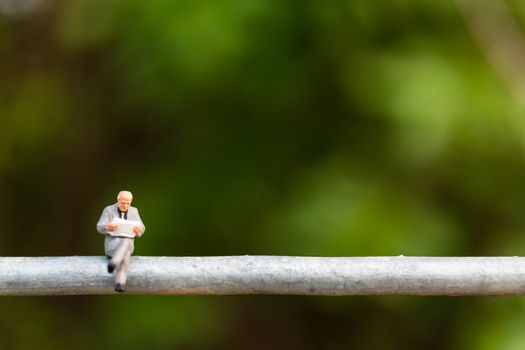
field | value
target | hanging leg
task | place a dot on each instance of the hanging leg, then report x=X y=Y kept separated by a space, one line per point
x=124 y=254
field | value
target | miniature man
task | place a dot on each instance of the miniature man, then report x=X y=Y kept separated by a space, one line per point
x=119 y=248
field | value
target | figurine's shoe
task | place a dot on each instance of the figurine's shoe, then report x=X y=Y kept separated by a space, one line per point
x=111 y=267
x=119 y=288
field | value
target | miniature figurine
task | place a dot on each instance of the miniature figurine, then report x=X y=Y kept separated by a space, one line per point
x=120 y=223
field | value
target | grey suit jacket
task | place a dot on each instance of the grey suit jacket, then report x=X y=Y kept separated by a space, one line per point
x=110 y=212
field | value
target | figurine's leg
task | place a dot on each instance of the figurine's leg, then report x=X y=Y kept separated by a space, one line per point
x=120 y=252
x=122 y=272
x=123 y=268
x=111 y=245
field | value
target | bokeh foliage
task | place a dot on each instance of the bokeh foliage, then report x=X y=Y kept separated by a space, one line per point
x=332 y=128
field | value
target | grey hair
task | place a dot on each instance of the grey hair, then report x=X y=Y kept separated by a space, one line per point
x=124 y=192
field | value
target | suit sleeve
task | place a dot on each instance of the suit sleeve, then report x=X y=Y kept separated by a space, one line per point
x=105 y=218
x=137 y=218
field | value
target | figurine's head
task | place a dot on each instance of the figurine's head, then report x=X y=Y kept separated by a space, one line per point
x=124 y=199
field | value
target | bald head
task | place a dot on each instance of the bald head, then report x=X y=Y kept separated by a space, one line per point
x=124 y=199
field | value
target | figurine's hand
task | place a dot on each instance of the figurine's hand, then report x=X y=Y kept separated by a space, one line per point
x=111 y=226
x=136 y=230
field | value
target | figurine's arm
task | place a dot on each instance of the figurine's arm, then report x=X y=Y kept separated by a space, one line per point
x=142 y=228
x=105 y=218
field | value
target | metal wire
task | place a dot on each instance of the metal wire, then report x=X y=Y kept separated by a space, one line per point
x=268 y=275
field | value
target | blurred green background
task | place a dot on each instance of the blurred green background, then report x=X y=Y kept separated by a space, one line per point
x=318 y=128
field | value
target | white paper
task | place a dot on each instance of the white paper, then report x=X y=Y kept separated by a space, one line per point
x=125 y=227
